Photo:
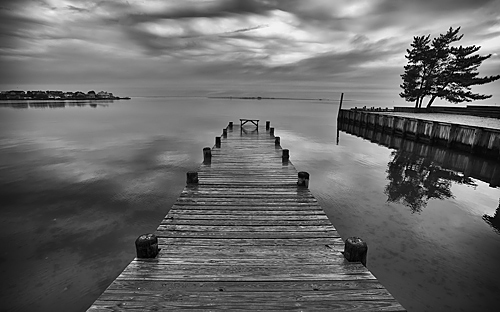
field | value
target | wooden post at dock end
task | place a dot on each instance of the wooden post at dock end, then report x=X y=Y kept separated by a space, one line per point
x=224 y=133
x=286 y=155
x=192 y=177
x=230 y=125
x=355 y=250
x=303 y=179
x=146 y=246
x=271 y=131
x=268 y=125
x=340 y=105
x=277 y=141
x=207 y=155
x=217 y=142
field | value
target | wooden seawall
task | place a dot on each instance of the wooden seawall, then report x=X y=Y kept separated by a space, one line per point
x=247 y=234
x=484 y=169
x=485 y=141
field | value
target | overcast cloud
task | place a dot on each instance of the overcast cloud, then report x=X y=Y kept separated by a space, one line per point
x=111 y=43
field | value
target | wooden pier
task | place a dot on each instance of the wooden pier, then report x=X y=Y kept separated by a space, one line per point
x=484 y=141
x=247 y=234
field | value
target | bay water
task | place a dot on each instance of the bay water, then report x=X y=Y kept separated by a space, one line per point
x=80 y=181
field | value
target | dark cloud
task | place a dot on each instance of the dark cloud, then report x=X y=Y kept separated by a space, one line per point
x=433 y=6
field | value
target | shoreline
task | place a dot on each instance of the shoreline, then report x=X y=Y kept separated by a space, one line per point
x=75 y=99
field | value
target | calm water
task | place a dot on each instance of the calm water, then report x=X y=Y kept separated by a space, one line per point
x=79 y=183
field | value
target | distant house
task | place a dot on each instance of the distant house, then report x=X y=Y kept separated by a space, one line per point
x=104 y=95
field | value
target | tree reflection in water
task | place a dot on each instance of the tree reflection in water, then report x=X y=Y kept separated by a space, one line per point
x=414 y=180
x=494 y=221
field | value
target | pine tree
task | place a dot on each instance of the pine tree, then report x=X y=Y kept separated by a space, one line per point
x=436 y=69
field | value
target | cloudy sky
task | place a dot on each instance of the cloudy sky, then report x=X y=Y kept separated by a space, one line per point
x=165 y=47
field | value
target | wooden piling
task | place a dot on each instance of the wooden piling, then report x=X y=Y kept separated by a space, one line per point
x=271 y=131
x=277 y=141
x=285 y=156
x=224 y=133
x=303 y=179
x=230 y=125
x=207 y=155
x=268 y=125
x=192 y=177
x=217 y=142
x=355 y=250
x=146 y=246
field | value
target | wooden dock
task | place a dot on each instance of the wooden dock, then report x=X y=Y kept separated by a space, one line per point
x=243 y=235
x=479 y=140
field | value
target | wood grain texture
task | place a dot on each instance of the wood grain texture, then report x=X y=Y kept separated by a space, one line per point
x=246 y=237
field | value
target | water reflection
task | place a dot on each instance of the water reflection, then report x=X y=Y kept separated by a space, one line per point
x=54 y=104
x=420 y=172
x=414 y=180
x=494 y=221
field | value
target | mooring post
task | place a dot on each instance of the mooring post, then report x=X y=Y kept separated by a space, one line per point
x=271 y=131
x=286 y=155
x=303 y=179
x=146 y=246
x=192 y=177
x=230 y=125
x=268 y=125
x=224 y=133
x=217 y=142
x=355 y=250
x=207 y=155
x=277 y=141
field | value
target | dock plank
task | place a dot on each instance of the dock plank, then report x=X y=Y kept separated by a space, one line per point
x=246 y=237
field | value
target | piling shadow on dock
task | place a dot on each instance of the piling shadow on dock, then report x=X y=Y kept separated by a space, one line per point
x=247 y=234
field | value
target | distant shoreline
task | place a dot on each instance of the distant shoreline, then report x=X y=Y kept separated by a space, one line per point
x=267 y=98
x=76 y=99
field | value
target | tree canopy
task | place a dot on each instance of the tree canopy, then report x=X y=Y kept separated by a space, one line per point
x=436 y=69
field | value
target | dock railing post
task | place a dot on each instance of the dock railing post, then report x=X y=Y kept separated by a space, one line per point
x=271 y=131
x=224 y=133
x=146 y=246
x=277 y=141
x=217 y=142
x=192 y=177
x=268 y=125
x=286 y=156
x=207 y=155
x=303 y=179
x=230 y=125
x=355 y=250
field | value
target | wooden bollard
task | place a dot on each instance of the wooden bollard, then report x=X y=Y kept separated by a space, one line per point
x=277 y=141
x=355 y=250
x=286 y=155
x=207 y=155
x=271 y=131
x=268 y=124
x=303 y=179
x=217 y=142
x=192 y=177
x=224 y=133
x=230 y=125
x=146 y=246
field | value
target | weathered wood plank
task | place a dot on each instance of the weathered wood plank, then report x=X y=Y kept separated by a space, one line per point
x=246 y=237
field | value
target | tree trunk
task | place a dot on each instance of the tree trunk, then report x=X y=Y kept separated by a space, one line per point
x=431 y=101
